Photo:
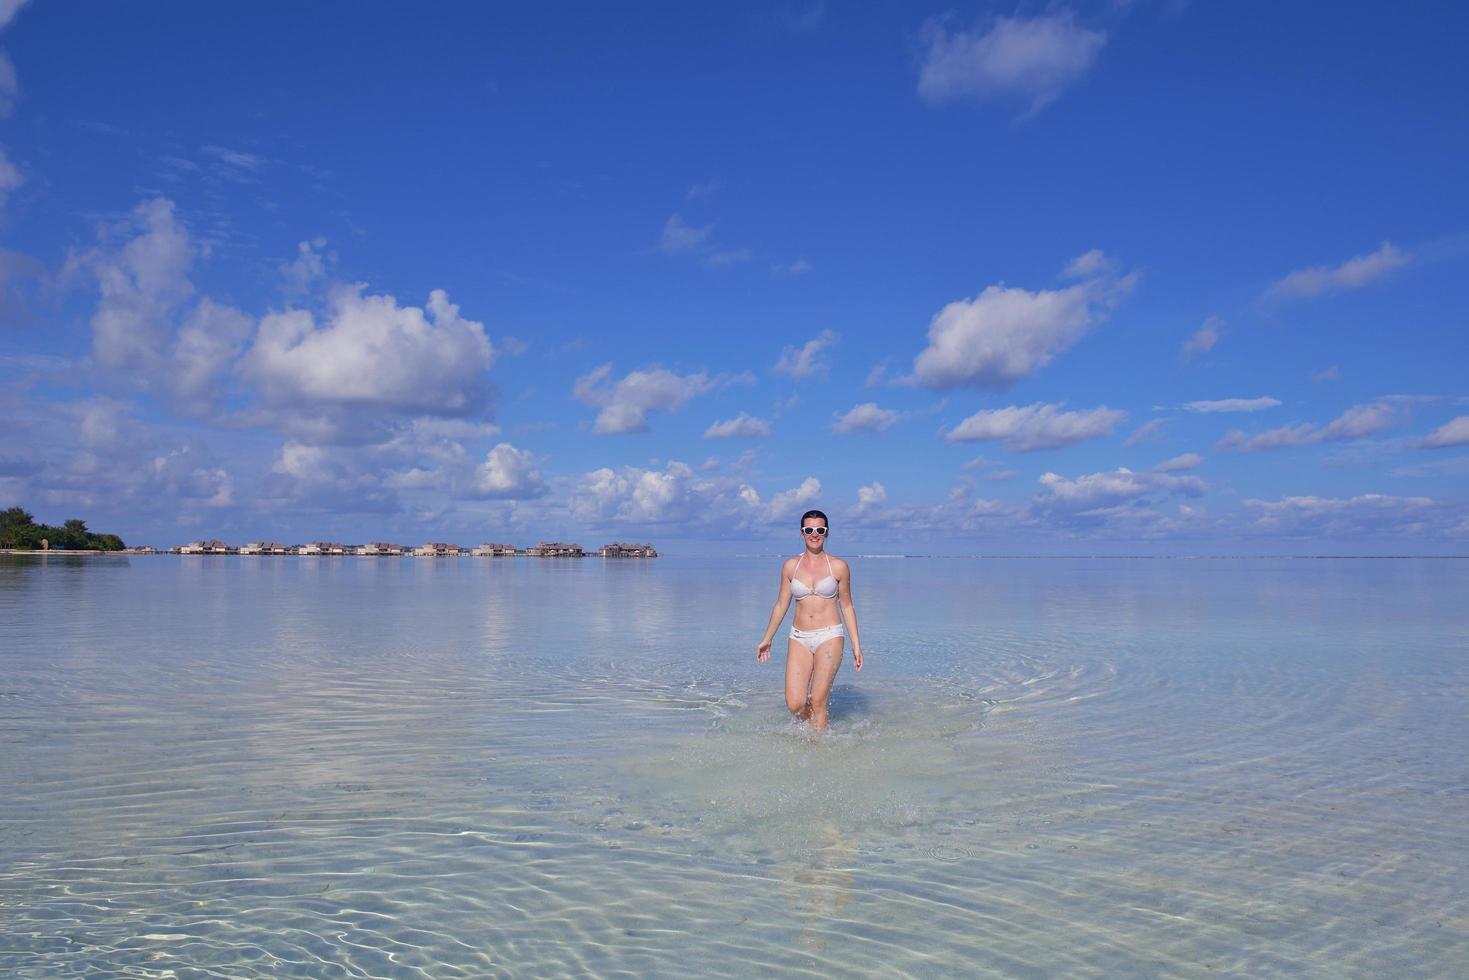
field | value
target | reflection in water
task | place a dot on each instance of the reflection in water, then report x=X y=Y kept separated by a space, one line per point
x=818 y=889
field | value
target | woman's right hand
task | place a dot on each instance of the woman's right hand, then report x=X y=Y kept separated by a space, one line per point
x=762 y=652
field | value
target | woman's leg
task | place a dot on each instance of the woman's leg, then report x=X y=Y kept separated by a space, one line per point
x=828 y=659
x=799 y=664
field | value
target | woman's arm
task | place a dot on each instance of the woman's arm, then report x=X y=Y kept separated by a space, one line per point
x=849 y=614
x=777 y=613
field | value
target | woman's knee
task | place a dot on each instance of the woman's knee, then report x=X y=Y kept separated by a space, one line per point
x=796 y=705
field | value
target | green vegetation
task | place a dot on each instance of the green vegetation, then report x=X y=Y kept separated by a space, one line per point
x=19 y=530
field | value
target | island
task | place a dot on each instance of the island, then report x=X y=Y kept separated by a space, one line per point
x=20 y=532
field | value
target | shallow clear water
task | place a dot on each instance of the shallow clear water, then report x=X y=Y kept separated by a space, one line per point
x=335 y=767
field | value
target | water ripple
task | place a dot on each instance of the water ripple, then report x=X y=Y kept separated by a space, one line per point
x=363 y=770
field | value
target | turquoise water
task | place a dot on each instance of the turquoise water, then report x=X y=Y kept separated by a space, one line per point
x=349 y=767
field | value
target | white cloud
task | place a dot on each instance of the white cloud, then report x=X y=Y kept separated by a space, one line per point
x=1234 y=404
x=790 y=503
x=8 y=10
x=627 y=402
x=988 y=508
x=636 y=495
x=107 y=425
x=1094 y=490
x=210 y=339
x=237 y=164
x=1284 y=437
x=1005 y=334
x=508 y=473
x=1356 y=422
x=1151 y=431
x=1027 y=428
x=867 y=417
x=804 y=361
x=1203 y=339
x=414 y=478
x=1088 y=265
x=308 y=266
x=1366 y=513
x=1363 y=420
x=143 y=328
x=94 y=455
x=680 y=236
x=142 y=283
x=677 y=494
x=180 y=475
x=1351 y=274
x=726 y=258
x=1185 y=462
x=299 y=460
x=439 y=434
x=330 y=480
x=1026 y=59
x=423 y=457
x=958 y=513
x=742 y=426
x=1332 y=373
x=372 y=353
x=1454 y=432
x=870 y=496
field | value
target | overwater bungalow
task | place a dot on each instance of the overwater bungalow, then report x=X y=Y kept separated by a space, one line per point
x=266 y=548
x=381 y=549
x=619 y=550
x=324 y=548
x=437 y=549
x=212 y=547
x=555 y=549
x=493 y=550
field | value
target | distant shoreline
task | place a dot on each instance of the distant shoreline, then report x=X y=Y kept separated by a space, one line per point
x=172 y=554
x=1155 y=557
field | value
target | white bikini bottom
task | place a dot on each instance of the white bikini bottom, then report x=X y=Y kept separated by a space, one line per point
x=811 y=639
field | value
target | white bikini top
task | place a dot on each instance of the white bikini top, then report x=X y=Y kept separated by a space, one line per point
x=826 y=588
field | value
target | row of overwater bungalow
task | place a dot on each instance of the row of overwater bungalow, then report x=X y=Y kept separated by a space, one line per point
x=434 y=549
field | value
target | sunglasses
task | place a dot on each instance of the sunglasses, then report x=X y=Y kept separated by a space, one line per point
x=814 y=530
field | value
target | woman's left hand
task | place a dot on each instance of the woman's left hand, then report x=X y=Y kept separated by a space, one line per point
x=857 y=657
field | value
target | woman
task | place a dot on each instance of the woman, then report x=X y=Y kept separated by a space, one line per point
x=819 y=584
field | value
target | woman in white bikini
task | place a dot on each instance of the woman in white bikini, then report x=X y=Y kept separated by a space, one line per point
x=819 y=584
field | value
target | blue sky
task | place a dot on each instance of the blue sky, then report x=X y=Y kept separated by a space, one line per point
x=1142 y=278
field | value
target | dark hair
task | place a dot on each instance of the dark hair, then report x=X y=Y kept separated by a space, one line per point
x=814 y=513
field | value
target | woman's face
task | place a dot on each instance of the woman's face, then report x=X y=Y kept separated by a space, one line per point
x=815 y=539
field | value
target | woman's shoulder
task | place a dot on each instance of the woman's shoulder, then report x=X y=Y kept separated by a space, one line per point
x=839 y=564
